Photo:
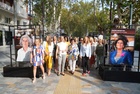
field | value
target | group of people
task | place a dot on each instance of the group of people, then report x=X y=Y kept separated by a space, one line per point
x=62 y=53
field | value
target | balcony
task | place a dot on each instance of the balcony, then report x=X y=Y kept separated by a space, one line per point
x=6 y=7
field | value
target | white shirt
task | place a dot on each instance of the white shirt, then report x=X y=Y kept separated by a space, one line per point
x=50 y=47
x=93 y=47
x=23 y=55
x=85 y=50
x=62 y=47
x=44 y=44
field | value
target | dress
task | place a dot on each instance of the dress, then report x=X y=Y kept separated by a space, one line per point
x=126 y=58
x=38 y=55
x=73 y=52
x=48 y=58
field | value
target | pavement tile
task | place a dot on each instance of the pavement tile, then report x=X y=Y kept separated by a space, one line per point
x=75 y=84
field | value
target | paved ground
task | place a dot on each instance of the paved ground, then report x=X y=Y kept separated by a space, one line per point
x=68 y=84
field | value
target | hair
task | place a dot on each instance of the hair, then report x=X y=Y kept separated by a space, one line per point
x=49 y=40
x=66 y=38
x=54 y=37
x=85 y=39
x=25 y=36
x=123 y=40
x=72 y=40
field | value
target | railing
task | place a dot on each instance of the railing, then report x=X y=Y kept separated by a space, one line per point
x=6 y=7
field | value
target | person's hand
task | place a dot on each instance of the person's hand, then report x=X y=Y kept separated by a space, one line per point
x=31 y=62
x=43 y=61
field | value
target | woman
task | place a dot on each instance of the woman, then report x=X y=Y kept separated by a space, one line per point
x=68 y=43
x=100 y=53
x=85 y=55
x=54 y=54
x=62 y=54
x=23 y=54
x=37 y=58
x=120 y=56
x=49 y=55
x=93 y=49
x=73 y=53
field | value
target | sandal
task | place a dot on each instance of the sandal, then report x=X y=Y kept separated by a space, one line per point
x=43 y=76
x=63 y=74
x=34 y=80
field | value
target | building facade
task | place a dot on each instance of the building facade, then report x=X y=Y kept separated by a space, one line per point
x=12 y=12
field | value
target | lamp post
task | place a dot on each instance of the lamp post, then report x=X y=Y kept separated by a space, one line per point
x=43 y=20
x=131 y=13
x=111 y=11
x=30 y=14
x=116 y=21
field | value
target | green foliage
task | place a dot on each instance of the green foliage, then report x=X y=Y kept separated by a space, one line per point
x=77 y=17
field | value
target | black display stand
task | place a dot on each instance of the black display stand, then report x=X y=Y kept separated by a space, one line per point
x=112 y=73
x=14 y=70
x=121 y=73
x=9 y=71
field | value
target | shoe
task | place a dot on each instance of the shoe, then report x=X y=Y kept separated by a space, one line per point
x=55 y=71
x=63 y=74
x=58 y=74
x=72 y=73
x=96 y=68
x=88 y=72
x=43 y=76
x=34 y=80
x=83 y=74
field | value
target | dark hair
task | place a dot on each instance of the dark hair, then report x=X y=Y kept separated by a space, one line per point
x=71 y=40
x=123 y=40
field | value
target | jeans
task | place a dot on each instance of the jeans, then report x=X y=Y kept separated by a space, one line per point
x=85 y=64
x=72 y=64
x=100 y=60
x=61 y=63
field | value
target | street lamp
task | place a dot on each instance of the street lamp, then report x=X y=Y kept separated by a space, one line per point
x=116 y=21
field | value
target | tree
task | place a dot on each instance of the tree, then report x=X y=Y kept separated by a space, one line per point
x=122 y=9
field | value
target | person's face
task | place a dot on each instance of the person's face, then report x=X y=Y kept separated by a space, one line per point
x=81 y=40
x=72 y=42
x=91 y=40
x=25 y=42
x=66 y=39
x=47 y=38
x=54 y=38
x=62 y=38
x=119 y=44
x=37 y=42
x=86 y=39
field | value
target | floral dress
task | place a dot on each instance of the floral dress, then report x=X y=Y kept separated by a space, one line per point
x=37 y=55
x=73 y=52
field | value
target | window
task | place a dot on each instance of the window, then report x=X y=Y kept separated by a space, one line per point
x=7 y=20
x=18 y=22
x=24 y=23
